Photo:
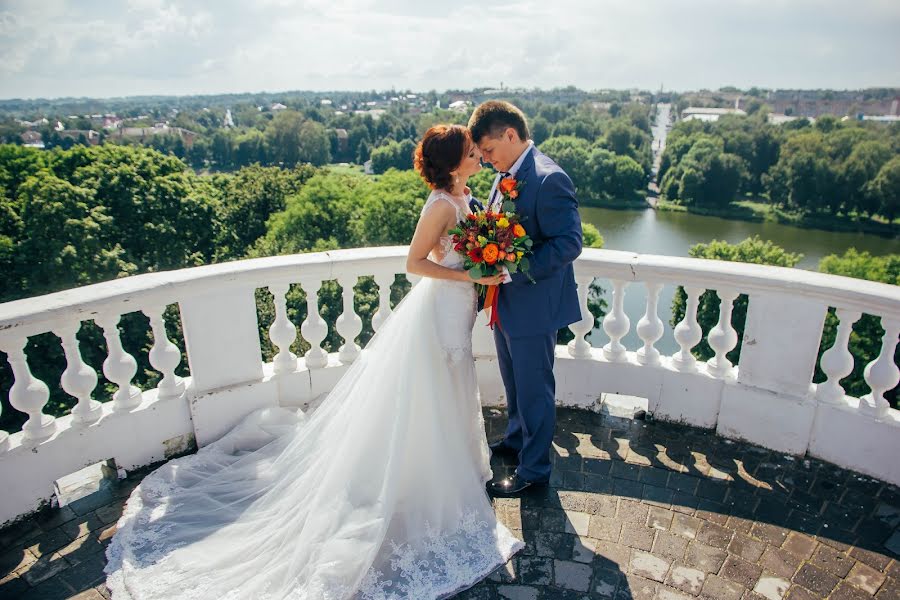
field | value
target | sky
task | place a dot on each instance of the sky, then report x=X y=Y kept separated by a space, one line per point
x=109 y=48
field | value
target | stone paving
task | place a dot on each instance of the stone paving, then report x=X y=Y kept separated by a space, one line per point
x=650 y=511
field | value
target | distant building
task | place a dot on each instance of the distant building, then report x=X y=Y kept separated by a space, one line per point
x=776 y=119
x=229 y=120
x=882 y=118
x=32 y=139
x=343 y=140
x=277 y=106
x=92 y=137
x=459 y=106
x=375 y=113
x=367 y=167
x=708 y=114
x=325 y=102
x=142 y=134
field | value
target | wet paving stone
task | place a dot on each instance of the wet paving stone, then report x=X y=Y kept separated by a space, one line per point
x=636 y=510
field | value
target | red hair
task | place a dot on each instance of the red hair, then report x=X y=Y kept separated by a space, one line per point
x=440 y=152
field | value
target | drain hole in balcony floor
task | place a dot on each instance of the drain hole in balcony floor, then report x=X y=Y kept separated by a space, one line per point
x=94 y=484
x=627 y=407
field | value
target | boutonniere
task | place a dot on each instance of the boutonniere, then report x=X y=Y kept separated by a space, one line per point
x=509 y=191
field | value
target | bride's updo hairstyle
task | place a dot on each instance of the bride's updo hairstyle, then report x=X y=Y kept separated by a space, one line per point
x=441 y=151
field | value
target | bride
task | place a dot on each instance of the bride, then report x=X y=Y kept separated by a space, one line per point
x=378 y=494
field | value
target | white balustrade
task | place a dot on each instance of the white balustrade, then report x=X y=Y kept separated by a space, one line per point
x=882 y=374
x=221 y=330
x=722 y=338
x=348 y=324
x=28 y=393
x=314 y=329
x=650 y=327
x=616 y=324
x=688 y=332
x=119 y=366
x=79 y=379
x=381 y=315
x=837 y=362
x=282 y=332
x=164 y=355
x=579 y=347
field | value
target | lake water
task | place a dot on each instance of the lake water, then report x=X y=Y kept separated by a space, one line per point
x=670 y=233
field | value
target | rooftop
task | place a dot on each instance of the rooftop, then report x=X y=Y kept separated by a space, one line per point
x=650 y=509
x=750 y=481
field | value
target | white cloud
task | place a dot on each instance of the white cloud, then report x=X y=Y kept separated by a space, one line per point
x=96 y=48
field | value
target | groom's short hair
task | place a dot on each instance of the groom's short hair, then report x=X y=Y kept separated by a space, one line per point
x=494 y=117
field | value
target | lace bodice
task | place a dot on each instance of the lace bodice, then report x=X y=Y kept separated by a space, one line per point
x=443 y=253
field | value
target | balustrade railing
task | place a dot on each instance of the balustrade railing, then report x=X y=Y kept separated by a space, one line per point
x=772 y=382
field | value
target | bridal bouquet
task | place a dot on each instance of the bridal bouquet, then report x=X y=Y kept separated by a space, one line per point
x=490 y=241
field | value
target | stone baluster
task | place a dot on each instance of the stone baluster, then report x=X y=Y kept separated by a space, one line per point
x=349 y=325
x=119 y=366
x=28 y=393
x=722 y=338
x=79 y=379
x=688 y=333
x=616 y=324
x=579 y=347
x=384 y=282
x=882 y=373
x=837 y=362
x=282 y=332
x=650 y=327
x=314 y=329
x=164 y=355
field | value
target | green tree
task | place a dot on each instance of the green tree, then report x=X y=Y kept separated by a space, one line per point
x=251 y=196
x=886 y=188
x=857 y=173
x=573 y=155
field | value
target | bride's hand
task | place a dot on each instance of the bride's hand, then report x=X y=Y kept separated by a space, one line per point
x=491 y=279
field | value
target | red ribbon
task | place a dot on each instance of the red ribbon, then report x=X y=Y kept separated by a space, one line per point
x=490 y=300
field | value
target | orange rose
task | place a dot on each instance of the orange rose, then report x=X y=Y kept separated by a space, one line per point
x=507 y=185
x=518 y=230
x=490 y=253
x=501 y=255
x=514 y=194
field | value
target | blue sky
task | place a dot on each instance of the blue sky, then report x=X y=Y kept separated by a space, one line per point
x=52 y=48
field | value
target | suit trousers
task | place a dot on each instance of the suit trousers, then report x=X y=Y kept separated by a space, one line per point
x=526 y=367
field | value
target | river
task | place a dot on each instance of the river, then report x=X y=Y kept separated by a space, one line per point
x=670 y=233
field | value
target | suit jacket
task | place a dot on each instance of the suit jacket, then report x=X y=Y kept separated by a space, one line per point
x=548 y=211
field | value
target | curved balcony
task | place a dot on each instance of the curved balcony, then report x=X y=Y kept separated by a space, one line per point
x=731 y=517
x=768 y=399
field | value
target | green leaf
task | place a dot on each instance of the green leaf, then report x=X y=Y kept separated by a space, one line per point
x=476 y=272
x=508 y=206
x=512 y=267
x=528 y=244
x=524 y=265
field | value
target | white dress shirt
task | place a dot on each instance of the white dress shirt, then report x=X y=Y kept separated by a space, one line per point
x=512 y=172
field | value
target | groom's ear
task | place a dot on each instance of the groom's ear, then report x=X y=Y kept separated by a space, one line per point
x=511 y=135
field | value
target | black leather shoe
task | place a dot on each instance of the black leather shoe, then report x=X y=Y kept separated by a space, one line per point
x=501 y=449
x=512 y=486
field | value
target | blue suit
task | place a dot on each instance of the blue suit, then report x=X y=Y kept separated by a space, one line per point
x=531 y=313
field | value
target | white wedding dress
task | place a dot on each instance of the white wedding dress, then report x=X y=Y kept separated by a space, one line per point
x=377 y=494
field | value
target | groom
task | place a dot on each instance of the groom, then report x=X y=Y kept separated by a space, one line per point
x=530 y=313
